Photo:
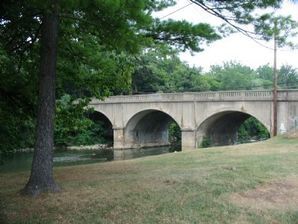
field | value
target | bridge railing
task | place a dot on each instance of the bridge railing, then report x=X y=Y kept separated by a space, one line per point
x=252 y=95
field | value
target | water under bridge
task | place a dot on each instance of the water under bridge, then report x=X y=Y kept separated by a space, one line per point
x=143 y=120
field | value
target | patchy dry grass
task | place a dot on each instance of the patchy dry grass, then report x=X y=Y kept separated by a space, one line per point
x=280 y=194
x=252 y=183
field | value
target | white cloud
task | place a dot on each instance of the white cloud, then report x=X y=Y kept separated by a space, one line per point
x=236 y=47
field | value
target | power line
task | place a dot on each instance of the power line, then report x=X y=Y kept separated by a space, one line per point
x=245 y=32
x=177 y=10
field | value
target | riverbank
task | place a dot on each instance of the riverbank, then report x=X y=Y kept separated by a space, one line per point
x=250 y=183
x=71 y=148
x=21 y=161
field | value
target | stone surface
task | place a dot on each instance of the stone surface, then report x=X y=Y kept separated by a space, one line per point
x=142 y=120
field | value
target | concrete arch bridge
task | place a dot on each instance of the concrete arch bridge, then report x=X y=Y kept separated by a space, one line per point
x=142 y=120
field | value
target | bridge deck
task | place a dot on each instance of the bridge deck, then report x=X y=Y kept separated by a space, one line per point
x=255 y=95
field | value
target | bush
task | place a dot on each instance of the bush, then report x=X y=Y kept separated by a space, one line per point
x=206 y=142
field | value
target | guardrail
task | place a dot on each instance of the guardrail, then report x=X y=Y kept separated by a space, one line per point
x=253 y=95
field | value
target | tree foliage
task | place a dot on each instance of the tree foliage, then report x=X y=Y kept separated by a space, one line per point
x=183 y=35
x=280 y=28
x=163 y=71
x=73 y=126
x=252 y=129
x=92 y=46
x=85 y=27
x=287 y=77
x=233 y=76
x=160 y=70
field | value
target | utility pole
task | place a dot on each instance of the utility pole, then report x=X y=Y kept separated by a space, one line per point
x=275 y=81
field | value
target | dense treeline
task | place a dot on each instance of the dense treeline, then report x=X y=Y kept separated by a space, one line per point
x=156 y=70
x=167 y=73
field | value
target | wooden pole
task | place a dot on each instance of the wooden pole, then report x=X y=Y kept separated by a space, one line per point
x=274 y=83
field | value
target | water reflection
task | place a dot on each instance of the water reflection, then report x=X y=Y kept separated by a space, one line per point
x=22 y=161
x=136 y=153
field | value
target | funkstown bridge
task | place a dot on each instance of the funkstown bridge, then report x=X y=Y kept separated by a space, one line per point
x=143 y=120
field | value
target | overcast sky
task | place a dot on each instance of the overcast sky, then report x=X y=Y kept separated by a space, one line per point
x=236 y=47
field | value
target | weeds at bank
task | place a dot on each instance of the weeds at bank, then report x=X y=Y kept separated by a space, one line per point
x=250 y=183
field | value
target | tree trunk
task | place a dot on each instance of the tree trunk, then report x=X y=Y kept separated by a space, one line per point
x=41 y=178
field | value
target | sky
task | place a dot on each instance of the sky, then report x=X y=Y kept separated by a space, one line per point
x=236 y=47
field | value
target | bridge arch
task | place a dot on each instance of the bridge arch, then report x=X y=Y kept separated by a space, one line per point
x=221 y=127
x=148 y=128
x=104 y=121
x=108 y=116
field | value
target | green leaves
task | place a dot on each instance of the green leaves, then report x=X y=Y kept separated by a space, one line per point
x=233 y=76
x=183 y=35
x=252 y=129
x=282 y=28
x=161 y=70
x=238 y=13
x=72 y=126
x=288 y=77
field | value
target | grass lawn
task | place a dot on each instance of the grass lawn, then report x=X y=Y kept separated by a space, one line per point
x=251 y=183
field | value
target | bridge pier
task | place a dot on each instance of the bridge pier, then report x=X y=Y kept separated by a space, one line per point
x=123 y=139
x=188 y=139
x=119 y=141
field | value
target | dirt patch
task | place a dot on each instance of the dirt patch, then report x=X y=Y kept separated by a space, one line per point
x=279 y=194
x=292 y=134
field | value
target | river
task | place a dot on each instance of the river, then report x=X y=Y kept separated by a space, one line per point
x=21 y=161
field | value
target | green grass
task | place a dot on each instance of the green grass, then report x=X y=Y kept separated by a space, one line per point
x=186 y=187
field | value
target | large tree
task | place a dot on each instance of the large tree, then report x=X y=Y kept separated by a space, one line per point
x=116 y=25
